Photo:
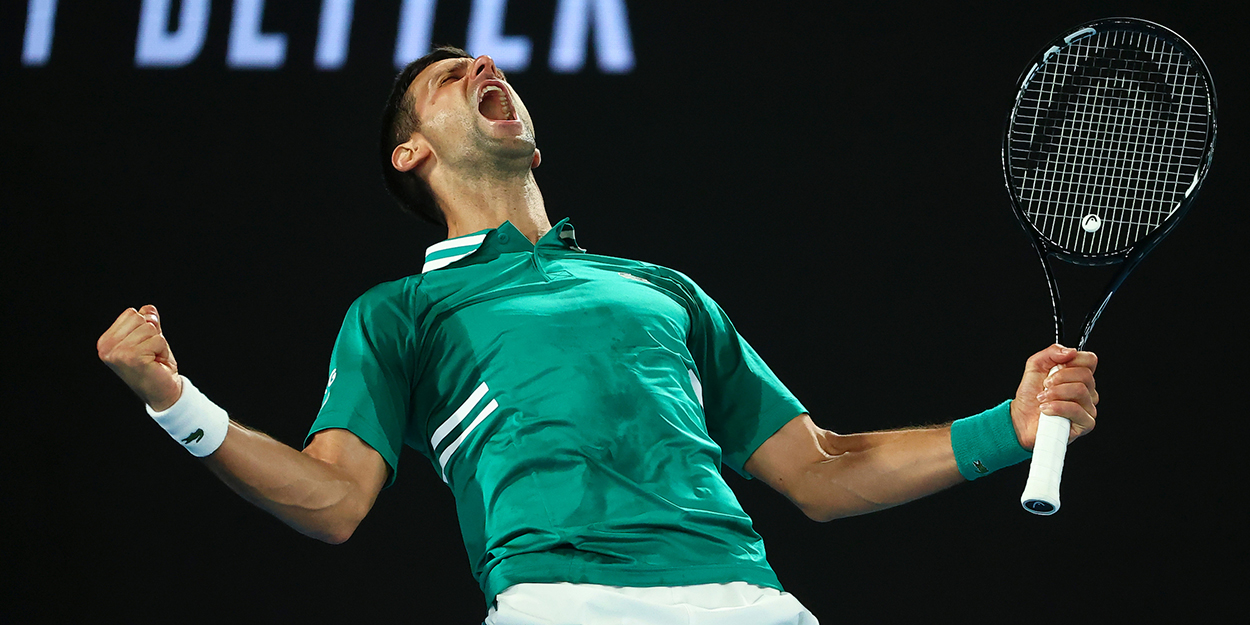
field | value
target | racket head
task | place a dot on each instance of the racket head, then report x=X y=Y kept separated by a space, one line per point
x=1109 y=138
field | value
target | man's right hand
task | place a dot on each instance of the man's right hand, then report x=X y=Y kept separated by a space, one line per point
x=136 y=350
x=323 y=492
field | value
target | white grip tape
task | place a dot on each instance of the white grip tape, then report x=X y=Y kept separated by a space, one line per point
x=194 y=421
x=1041 y=492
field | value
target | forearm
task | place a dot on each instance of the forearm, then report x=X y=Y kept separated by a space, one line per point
x=313 y=496
x=323 y=491
x=872 y=471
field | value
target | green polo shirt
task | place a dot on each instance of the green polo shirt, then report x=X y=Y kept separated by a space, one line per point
x=578 y=406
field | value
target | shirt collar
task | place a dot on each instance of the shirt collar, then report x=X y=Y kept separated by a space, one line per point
x=449 y=251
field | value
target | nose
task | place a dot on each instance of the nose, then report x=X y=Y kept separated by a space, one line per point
x=484 y=65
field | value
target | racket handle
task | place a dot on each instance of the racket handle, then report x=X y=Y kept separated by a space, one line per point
x=1041 y=492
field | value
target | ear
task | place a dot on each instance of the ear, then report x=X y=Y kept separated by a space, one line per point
x=411 y=154
x=538 y=158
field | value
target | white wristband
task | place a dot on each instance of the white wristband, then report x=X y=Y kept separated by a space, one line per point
x=194 y=421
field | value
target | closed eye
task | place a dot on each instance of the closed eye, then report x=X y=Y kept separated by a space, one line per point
x=452 y=75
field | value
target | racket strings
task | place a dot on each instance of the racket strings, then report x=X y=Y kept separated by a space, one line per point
x=1107 y=138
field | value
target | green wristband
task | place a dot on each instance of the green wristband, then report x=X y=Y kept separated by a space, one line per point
x=986 y=442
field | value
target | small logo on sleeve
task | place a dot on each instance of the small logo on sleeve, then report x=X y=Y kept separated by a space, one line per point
x=325 y=398
x=194 y=437
x=980 y=468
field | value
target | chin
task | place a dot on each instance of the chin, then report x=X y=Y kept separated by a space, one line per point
x=516 y=147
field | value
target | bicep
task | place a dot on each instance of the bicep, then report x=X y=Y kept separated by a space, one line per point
x=355 y=459
x=784 y=461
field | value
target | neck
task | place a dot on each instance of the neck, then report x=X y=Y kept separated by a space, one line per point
x=472 y=205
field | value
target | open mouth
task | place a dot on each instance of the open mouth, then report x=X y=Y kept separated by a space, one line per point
x=495 y=106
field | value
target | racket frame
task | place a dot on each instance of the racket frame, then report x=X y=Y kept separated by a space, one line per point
x=1129 y=257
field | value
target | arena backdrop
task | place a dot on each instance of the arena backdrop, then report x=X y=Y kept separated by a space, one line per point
x=829 y=172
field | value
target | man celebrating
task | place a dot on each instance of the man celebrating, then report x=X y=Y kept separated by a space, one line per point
x=578 y=406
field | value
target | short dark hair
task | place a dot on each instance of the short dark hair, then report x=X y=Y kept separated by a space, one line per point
x=399 y=121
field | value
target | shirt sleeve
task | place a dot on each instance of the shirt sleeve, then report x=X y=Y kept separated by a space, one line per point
x=369 y=390
x=743 y=400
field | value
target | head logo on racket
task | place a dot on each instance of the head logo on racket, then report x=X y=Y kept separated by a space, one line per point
x=1091 y=222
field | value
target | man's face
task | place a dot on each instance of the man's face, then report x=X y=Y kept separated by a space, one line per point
x=470 y=115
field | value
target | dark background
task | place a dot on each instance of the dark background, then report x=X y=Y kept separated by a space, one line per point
x=830 y=174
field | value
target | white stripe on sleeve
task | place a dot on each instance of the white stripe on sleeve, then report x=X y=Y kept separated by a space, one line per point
x=698 y=388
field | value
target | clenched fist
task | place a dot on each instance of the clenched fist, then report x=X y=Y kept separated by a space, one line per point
x=136 y=350
x=1058 y=381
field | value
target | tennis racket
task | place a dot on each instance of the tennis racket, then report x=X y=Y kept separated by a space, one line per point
x=1110 y=137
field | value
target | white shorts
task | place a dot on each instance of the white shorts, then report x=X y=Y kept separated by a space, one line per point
x=735 y=603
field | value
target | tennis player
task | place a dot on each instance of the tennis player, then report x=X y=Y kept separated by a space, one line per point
x=580 y=407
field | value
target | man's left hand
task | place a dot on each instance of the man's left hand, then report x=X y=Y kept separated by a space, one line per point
x=1068 y=392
